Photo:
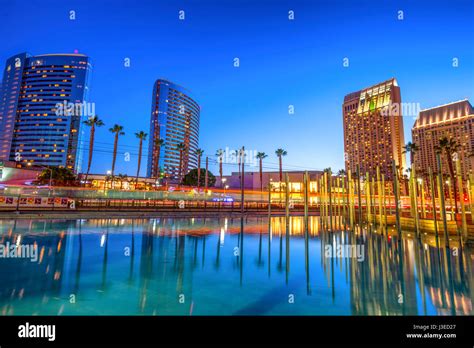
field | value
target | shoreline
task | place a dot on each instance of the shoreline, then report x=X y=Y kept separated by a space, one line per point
x=84 y=214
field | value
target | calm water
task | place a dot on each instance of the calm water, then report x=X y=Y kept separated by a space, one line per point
x=197 y=266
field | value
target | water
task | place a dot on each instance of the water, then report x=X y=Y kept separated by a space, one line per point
x=197 y=266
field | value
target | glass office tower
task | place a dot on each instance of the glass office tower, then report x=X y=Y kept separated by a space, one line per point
x=175 y=119
x=43 y=102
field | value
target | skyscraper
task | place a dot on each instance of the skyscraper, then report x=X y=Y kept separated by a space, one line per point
x=175 y=119
x=454 y=121
x=373 y=129
x=42 y=101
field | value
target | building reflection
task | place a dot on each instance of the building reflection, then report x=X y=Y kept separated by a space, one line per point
x=163 y=264
x=20 y=277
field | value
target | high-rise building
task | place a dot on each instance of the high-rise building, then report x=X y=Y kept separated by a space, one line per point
x=42 y=101
x=454 y=121
x=175 y=119
x=373 y=129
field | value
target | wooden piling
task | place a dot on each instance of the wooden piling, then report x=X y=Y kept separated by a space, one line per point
x=379 y=196
x=344 y=200
x=372 y=201
x=461 y=199
x=306 y=196
x=330 y=199
x=441 y=199
x=367 y=197
x=359 y=194
x=470 y=187
x=384 y=204
x=433 y=202
x=287 y=198
x=422 y=197
x=397 y=199
x=414 y=200
x=351 y=198
x=450 y=196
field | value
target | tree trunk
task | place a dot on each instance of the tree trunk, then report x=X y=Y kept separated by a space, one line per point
x=180 y=171
x=91 y=150
x=199 y=172
x=158 y=173
x=281 y=169
x=261 y=179
x=157 y=163
x=207 y=176
x=139 y=162
x=453 y=179
x=113 y=159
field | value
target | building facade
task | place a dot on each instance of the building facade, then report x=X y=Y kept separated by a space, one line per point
x=373 y=129
x=454 y=121
x=230 y=184
x=252 y=180
x=42 y=101
x=174 y=119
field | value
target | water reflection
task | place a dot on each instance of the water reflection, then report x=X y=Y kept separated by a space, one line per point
x=204 y=266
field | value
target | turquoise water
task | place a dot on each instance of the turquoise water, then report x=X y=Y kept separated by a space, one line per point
x=197 y=266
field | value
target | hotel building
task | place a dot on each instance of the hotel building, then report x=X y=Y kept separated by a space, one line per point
x=454 y=120
x=175 y=119
x=373 y=129
x=32 y=130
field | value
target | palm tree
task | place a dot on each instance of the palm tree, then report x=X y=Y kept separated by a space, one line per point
x=142 y=136
x=220 y=155
x=261 y=156
x=181 y=147
x=199 y=153
x=341 y=173
x=449 y=146
x=280 y=153
x=92 y=122
x=412 y=148
x=158 y=144
x=117 y=130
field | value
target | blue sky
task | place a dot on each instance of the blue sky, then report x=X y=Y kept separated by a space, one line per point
x=282 y=63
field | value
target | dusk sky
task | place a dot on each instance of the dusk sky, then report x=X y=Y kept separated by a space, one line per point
x=282 y=63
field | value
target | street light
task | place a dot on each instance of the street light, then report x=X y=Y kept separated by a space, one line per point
x=223 y=181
